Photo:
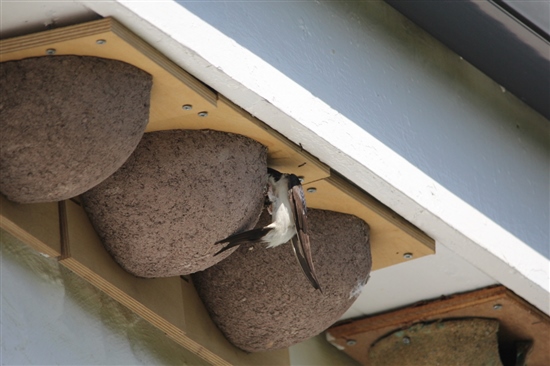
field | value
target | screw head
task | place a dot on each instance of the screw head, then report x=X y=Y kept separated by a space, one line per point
x=407 y=255
x=101 y=41
x=406 y=340
x=497 y=306
x=351 y=342
x=187 y=107
x=202 y=114
x=50 y=51
x=312 y=190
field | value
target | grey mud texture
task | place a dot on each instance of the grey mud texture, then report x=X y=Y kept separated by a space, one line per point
x=469 y=341
x=181 y=191
x=260 y=298
x=68 y=123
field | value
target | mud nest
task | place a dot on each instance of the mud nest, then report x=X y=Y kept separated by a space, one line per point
x=457 y=342
x=261 y=300
x=67 y=122
x=160 y=214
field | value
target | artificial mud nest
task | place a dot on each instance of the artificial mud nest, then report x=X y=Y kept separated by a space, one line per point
x=68 y=123
x=261 y=300
x=160 y=214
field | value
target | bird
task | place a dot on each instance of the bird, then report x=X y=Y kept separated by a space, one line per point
x=289 y=222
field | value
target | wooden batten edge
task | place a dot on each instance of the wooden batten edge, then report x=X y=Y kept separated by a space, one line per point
x=411 y=314
x=509 y=295
x=103 y=26
x=55 y=35
x=21 y=234
x=135 y=306
x=379 y=208
x=136 y=42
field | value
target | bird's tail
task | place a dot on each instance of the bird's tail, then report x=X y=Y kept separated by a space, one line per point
x=250 y=236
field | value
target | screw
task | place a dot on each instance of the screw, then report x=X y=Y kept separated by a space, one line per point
x=50 y=51
x=407 y=255
x=187 y=107
x=312 y=190
x=203 y=114
x=351 y=342
x=406 y=340
x=497 y=306
x=101 y=41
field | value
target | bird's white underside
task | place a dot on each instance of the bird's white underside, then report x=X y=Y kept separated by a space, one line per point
x=282 y=217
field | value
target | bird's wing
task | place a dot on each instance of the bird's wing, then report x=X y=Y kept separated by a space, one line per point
x=310 y=274
x=250 y=236
x=302 y=246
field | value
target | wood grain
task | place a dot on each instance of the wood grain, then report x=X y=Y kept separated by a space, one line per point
x=518 y=321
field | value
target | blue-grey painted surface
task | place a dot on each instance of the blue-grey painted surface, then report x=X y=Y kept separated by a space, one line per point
x=419 y=98
x=50 y=316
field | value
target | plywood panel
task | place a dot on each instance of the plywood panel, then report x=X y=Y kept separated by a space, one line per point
x=35 y=224
x=518 y=321
x=173 y=87
x=171 y=304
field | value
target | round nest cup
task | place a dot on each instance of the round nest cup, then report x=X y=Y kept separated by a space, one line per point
x=181 y=191
x=260 y=298
x=68 y=123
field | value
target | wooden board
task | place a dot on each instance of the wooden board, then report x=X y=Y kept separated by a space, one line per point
x=518 y=321
x=392 y=236
x=34 y=224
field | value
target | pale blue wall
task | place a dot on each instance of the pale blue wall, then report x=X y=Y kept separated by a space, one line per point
x=50 y=316
x=420 y=99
